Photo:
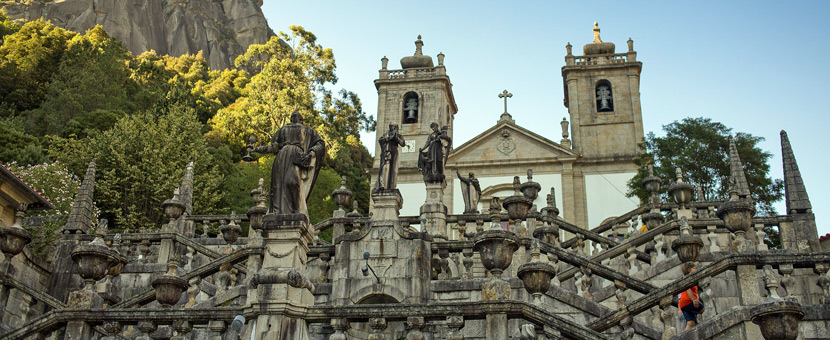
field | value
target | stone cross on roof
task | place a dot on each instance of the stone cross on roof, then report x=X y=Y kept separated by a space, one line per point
x=504 y=94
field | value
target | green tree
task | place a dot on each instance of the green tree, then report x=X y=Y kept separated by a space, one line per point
x=141 y=160
x=700 y=148
x=292 y=74
x=7 y=26
x=28 y=59
x=18 y=147
x=92 y=79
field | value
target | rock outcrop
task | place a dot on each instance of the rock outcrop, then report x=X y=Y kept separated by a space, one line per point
x=221 y=29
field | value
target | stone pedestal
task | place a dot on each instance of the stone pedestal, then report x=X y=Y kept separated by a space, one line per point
x=86 y=298
x=434 y=212
x=286 y=245
x=387 y=205
x=497 y=327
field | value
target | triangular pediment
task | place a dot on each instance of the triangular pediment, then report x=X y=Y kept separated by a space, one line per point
x=506 y=142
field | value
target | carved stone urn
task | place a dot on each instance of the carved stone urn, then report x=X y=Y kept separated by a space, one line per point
x=736 y=214
x=547 y=233
x=687 y=246
x=94 y=260
x=536 y=277
x=14 y=238
x=778 y=320
x=342 y=195
x=231 y=231
x=518 y=205
x=652 y=184
x=173 y=208
x=169 y=288
x=681 y=191
x=652 y=219
x=496 y=248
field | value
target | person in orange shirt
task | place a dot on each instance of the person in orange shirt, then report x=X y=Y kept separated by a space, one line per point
x=689 y=303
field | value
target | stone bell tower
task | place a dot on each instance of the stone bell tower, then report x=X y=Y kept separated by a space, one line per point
x=602 y=94
x=413 y=97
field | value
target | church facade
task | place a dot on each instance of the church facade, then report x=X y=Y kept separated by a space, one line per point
x=589 y=167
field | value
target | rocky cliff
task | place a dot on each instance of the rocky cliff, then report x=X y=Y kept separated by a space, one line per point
x=222 y=29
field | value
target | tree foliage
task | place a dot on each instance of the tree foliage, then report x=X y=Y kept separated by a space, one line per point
x=141 y=160
x=700 y=147
x=292 y=74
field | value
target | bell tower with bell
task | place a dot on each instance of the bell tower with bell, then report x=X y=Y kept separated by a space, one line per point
x=602 y=94
x=413 y=97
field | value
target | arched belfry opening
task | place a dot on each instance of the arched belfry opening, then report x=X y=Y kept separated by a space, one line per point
x=410 y=108
x=605 y=96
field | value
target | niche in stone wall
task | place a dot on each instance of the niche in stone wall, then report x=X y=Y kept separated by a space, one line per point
x=605 y=96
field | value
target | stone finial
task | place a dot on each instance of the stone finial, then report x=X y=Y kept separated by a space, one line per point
x=794 y=191
x=384 y=62
x=81 y=217
x=630 y=45
x=517 y=184
x=441 y=58
x=569 y=48
x=564 y=123
x=186 y=189
x=736 y=171
x=597 y=39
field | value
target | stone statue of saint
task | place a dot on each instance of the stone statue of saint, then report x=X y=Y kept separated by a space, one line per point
x=433 y=156
x=470 y=191
x=300 y=151
x=388 y=173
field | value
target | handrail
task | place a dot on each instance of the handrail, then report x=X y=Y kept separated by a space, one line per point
x=37 y=294
x=759 y=259
x=149 y=294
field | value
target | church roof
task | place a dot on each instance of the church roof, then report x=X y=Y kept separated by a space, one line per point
x=462 y=153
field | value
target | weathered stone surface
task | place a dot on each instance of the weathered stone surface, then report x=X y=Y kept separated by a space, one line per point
x=222 y=30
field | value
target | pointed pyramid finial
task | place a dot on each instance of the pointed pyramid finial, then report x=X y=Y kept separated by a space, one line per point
x=81 y=218
x=737 y=176
x=794 y=191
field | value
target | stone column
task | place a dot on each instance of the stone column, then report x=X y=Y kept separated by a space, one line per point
x=497 y=326
x=434 y=212
x=747 y=277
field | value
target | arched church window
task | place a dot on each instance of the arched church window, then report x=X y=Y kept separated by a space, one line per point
x=410 y=108
x=605 y=96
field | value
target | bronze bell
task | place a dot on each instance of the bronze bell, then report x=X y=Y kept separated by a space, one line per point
x=411 y=116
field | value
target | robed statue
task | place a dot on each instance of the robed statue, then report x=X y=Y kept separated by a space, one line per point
x=300 y=151
x=388 y=173
x=470 y=191
x=433 y=156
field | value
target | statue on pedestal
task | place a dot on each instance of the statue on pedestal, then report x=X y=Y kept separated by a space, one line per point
x=470 y=191
x=388 y=173
x=300 y=151
x=433 y=156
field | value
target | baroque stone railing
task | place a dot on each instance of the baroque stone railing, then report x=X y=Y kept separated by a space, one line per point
x=664 y=296
x=410 y=73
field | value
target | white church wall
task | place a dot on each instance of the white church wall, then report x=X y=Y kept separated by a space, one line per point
x=546 y=181
x=605 y=194
x=414 y=196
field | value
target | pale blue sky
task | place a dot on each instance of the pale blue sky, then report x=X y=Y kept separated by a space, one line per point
x=755 y=66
